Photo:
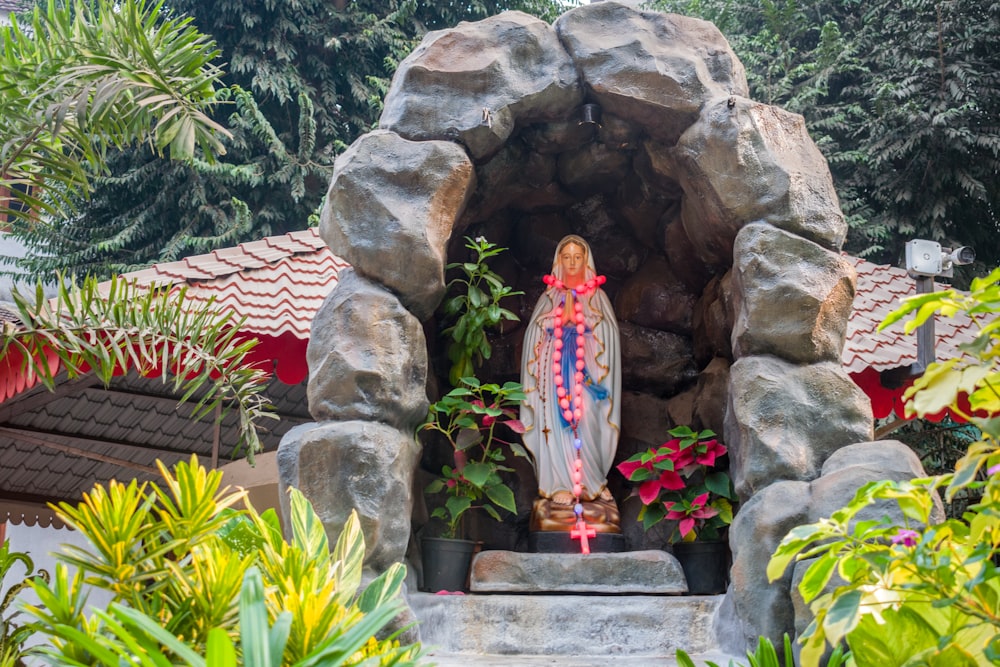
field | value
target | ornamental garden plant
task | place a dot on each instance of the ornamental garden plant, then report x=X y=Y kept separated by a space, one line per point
x=916 y=593
x=472 y=418
x=680 y=481
x=197 y=580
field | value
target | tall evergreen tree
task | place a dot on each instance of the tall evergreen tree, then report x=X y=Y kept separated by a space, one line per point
x=930 y=137
x=901 y=97
x=308 y=77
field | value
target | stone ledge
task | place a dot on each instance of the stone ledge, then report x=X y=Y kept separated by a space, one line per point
x=565 y=625
x=648 y=572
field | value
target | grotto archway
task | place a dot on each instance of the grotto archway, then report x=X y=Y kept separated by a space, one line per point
x=713 y=215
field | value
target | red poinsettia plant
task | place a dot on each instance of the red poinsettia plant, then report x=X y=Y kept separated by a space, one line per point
x=679 y=481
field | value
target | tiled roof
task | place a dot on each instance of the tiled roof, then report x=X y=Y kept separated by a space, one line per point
x=278 y=283
x=880 y=291
x=12 y=5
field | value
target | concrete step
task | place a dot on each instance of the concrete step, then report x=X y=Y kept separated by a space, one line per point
x=546 y=627
x=465 y=660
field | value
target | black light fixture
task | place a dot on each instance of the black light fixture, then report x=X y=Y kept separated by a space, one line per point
x=590 y=114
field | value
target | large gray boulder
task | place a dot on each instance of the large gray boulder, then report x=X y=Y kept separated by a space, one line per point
x=795 y=297
x=744 y=161
x=367 y=357
x=774 y=608
x=784 y=420
x=390 y=211
x=475 y=83
x=757 y=530
x=354 y=465
x=654 y=69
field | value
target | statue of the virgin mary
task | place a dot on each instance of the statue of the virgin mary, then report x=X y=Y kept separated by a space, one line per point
x=571 y=372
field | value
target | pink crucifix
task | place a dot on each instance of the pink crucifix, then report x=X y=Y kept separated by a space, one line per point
x=581 y=532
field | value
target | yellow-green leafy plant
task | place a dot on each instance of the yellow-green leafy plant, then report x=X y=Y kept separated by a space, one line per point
x=197 y=580
x=918 y=593
x=13 y=632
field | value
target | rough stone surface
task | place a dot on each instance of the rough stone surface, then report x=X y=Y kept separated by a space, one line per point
x=757 y=529
x=795 y=297
x=367 y=357
x=476 y=82
x=517 y=178
x=390 y=211
x=651 y=68
x=355 y=465
x=646 y=420
x=744 y=161
x=658 y=360
x=559 y=625
x=593 y=167
x=679 y=164
x=632 y=573
x=784 y=420
x=712 y=320
x=655 y=298
x=851 y=467
x=712 y=396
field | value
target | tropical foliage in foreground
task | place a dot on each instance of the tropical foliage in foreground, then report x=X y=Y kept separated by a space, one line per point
x=917 y=593
x=196 y=580
x=13 y=630
x=80 y=78
x=195 y=347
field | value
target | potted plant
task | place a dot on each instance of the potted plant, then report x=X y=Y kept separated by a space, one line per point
x=679 y=481
x=471 y=417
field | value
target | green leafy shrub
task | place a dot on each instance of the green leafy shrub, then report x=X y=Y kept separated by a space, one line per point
x=468 y=417
x=918 y=594
x=196 y=581
x=13 y=635
x=474 y=309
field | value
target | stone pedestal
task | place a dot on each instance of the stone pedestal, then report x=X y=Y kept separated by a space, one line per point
x=630 y=573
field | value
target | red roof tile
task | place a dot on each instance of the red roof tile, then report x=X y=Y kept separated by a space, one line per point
x=277 y=283
x=880 y=291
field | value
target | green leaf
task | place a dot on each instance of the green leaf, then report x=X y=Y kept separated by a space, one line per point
x=844 y=614
x=457 y=505
x=502 y=496
x=477 y=473
x=220 y=652
x=818 y=575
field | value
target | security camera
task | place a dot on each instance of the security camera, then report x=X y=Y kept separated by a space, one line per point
x=923 y=258
x=929 y=259
x=960 y=256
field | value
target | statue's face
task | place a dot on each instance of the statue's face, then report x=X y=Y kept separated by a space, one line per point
x=572 y=260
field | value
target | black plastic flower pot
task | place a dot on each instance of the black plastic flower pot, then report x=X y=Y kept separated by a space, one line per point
x=446 y=563
x=705 y=565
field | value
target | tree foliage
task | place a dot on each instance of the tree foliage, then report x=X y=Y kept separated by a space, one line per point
x=86 y=329
x=901 y=97
x=79 y=79
x=307 y=78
